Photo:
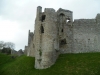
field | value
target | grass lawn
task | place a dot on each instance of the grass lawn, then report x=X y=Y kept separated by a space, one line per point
x=66 y=64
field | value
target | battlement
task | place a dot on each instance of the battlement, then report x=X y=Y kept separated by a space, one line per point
x=98 y=16
x=64 y=10
x=49 y=10
x=84 y=21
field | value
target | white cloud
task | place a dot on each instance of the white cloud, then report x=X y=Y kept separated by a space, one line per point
x=8 y=28
x=10 y=31
x=18 y=16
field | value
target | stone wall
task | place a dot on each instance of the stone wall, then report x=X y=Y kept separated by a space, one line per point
x=29 y=50
x=14 y=53
x=86 y=36
x=17 y=53
x=20 y=52
x=25 y=50
x=44 y=37
x=65 y=20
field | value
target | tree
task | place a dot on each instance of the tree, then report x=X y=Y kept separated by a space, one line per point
x=1 y=44
x=6 y=50
x=9 y=45
x=6 y=47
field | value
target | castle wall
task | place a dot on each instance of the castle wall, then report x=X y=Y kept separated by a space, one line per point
x=65 y=20
x=30 y=47
x=69 y=38
x=25 y=50
x=56 y=33
x=98 y=18
x=37 y=35
x=86 y=36
x=46 y=39
x=49 y=45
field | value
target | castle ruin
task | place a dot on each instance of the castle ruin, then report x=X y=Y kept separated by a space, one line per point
x=56 y=33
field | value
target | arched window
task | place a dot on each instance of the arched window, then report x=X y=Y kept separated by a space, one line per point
x=62 y=14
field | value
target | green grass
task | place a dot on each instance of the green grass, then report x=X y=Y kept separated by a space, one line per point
x=66 y=64
x=5 y=59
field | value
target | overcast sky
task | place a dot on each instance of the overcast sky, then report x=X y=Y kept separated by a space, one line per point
x=17 y=16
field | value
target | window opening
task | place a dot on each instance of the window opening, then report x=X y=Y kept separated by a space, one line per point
x=42 y=29
x=43 y=18
x=63 y=42
x=33 y=45
x=62 y=30
x=62 y=14
x=68 y=20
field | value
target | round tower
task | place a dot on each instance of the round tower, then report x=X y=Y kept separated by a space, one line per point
x=45 y=38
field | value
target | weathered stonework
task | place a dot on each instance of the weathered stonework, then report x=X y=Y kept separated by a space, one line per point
x=20 y=52
x=25 y=50
x=29 y=50
x=56 y=33
x=17 y=53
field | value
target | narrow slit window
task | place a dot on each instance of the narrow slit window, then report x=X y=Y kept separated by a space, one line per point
x=42 y=29
x=62 y=30
x=33 y=46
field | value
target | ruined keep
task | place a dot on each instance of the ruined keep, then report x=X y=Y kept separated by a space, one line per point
x=56 y=33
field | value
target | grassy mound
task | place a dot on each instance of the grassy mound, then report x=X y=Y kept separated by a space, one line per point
x=66 y=64
x=4 y=59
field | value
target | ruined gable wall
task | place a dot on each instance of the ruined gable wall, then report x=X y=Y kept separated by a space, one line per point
x=65 y=19
x=85 y=36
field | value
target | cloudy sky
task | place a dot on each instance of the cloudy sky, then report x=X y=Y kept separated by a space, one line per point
x=17 y=16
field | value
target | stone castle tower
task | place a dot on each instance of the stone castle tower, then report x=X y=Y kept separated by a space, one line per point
x=29 y=50
x=56 y=33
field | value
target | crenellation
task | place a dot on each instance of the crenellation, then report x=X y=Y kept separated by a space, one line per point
x=98 y=16
x=98 y=19
x=86 y=21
